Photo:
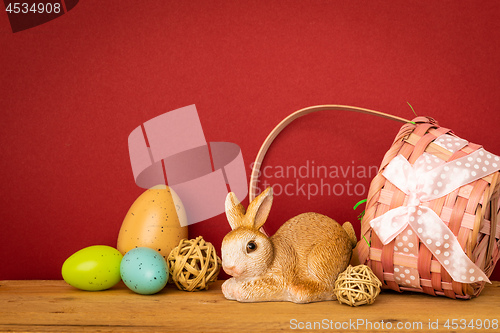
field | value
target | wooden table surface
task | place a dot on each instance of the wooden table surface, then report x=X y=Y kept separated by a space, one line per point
x=54 y=306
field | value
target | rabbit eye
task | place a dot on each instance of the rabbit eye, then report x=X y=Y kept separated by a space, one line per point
x=251 y=246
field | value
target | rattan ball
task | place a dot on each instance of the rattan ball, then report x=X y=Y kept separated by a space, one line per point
x=194 y=264
x=357 y=286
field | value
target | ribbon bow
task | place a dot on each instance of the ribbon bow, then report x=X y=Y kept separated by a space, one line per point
x=428 y=179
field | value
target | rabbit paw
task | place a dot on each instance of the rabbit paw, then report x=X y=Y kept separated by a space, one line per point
x=230 y=289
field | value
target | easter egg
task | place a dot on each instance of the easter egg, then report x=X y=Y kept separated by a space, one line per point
x=93 y=268
x=157 y=219
x=144 y=270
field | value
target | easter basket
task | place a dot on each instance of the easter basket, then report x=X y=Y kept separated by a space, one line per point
x=430 y=223
x=432 y=214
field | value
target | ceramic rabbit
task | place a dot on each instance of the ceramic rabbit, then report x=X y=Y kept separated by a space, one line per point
x=299 y=263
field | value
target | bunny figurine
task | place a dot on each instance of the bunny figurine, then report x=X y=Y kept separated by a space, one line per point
x=299 y=263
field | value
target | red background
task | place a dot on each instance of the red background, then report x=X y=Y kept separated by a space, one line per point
x=73 y=89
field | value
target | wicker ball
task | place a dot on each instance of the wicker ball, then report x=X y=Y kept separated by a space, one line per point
x=194 y=264
x=357 y=286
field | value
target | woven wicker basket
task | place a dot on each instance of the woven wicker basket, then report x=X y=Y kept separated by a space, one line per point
x=470 y=212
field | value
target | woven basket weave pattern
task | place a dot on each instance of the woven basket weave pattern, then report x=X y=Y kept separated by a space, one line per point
x=471 y=213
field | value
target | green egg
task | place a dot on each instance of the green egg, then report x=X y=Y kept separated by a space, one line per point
x=93 y=268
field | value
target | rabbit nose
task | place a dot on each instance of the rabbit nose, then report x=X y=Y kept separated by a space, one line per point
x=231 y=270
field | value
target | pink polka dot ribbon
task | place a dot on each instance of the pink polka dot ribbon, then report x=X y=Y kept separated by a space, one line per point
x=428 y=179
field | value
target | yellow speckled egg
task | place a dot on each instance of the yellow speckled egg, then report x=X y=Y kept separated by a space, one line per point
x=95 y=267
x=157 y=219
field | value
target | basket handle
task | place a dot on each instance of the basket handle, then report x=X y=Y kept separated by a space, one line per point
x=297 y=114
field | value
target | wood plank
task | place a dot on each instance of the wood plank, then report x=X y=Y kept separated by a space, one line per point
x=54 y=306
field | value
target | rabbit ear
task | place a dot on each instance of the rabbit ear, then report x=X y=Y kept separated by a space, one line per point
x=234 y=211
x=259 y=209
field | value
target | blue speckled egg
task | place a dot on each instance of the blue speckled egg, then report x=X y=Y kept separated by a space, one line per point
x=144 y=270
